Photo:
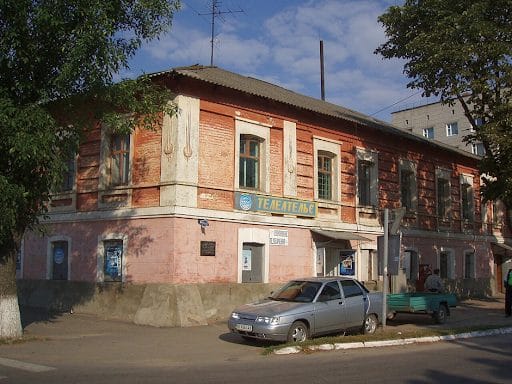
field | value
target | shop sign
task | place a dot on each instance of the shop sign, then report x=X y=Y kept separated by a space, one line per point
x=295 y=207
x=278 y=237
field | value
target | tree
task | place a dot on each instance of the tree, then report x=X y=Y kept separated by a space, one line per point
x=461 y=51
x=57 y=62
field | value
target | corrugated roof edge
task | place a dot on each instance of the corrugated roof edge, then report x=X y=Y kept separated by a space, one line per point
x=217 y=75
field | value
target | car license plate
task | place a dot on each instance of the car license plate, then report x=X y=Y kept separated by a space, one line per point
x=244 y=327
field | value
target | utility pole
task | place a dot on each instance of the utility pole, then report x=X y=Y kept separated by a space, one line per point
x=215 y=11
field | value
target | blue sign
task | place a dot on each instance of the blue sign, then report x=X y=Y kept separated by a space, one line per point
x=258 y=203
x=347 y=263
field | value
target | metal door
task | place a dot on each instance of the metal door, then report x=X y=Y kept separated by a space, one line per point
x=252 y=263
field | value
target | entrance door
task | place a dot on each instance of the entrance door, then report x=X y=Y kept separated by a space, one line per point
x=60 y=260
x=252 y=263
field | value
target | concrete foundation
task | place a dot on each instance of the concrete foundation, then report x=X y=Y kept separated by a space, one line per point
x=172 y=305
x=159 y=305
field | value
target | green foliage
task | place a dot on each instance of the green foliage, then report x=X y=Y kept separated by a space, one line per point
x=57 y=61
x=461 y=51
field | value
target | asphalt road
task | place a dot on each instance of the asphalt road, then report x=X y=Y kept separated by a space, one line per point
x=84 y=349
x=482 y=360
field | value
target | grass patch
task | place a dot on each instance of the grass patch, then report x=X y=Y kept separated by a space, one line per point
x=379 y=335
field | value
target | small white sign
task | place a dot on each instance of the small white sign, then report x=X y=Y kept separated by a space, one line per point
x=278 y=237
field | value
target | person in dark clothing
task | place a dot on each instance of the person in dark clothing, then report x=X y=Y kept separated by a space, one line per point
x=508 y=293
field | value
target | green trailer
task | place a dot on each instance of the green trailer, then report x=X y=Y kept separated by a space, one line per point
x=435 y=304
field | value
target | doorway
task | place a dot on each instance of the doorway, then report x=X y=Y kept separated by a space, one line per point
x=252 y=263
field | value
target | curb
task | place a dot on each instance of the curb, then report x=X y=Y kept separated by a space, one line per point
x=391 y=343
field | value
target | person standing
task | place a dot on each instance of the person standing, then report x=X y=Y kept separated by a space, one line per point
x=508 y=293
x=433 y=283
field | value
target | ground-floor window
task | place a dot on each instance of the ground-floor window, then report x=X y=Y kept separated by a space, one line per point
x=469 y=265
x=59 y=260
x=446 y=265
x=410 y=264
x=113 y=260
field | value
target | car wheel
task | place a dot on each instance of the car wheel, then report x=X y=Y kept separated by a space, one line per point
x=370 y=325
x=298 y=333
x=391 y=315
x=441 y=314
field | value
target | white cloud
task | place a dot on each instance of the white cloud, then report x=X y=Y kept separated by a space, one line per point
x=283 y=48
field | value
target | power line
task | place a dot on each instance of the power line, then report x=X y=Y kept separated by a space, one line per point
x=215 y=11
x=398 y=102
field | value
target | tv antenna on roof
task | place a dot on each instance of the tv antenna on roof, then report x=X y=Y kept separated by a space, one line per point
x=215 y=11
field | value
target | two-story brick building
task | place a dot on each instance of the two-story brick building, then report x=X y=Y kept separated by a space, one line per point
x=252 y=183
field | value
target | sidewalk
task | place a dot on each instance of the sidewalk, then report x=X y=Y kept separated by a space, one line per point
x=212 y=342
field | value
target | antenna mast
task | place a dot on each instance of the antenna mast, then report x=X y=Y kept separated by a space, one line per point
x=215 y=11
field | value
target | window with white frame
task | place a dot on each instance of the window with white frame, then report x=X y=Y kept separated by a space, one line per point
x=252 y=170
x=428 y=132
x=408 y=185
x=446 y=265
x=443 y=193
x=249 y=170
x=327 y=155
x=325 y=175
x=367 y=179
x=469 y=265
x=452 y=129
x=466 y=195
x=478 y=149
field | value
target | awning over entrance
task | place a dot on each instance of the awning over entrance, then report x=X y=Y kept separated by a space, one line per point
x=502 y=247
x=338 y=235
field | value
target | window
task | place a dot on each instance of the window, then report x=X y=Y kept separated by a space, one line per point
x=364 y=182
x=252 y=148
x=326 y=168
x=367 y=182
x=478 y=149
x=249 y=170
x=466 y=193
x=331 y=291
x=497 y=213
x=443 y=194
x=452 y=129
x=350 y=288
x=324 y=176
x=446 y=265
x=408 y=187
x=113 y=260
x=428 y=132
x=119 y=160
x=68 y=179
x=59 y=260
x=469 y=265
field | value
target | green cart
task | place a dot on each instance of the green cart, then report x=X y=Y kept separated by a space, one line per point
x=435 y=304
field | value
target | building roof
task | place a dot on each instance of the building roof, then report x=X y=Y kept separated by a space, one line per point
x=249 y=85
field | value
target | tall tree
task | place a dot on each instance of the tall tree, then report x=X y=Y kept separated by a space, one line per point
x=57 y=62
x=461 y=51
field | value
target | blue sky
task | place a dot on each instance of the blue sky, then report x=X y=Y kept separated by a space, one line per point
x=278 y=41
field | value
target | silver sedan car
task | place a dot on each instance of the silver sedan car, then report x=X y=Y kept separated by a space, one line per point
x=309 y=307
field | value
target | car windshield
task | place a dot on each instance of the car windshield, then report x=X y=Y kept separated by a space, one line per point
x=298 y=291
